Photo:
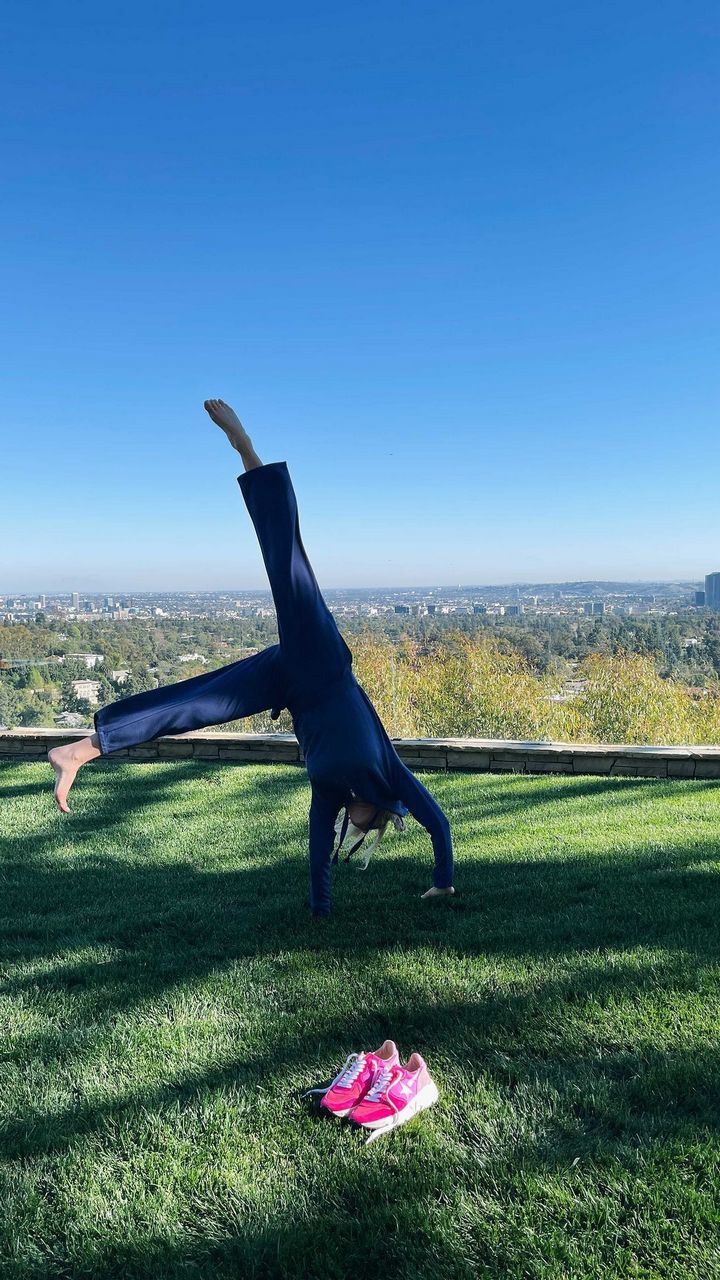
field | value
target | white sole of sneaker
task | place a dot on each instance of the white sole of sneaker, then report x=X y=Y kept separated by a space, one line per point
x=422 y=1100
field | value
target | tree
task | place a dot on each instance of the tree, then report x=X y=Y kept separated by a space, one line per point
x=9 y=705
x=30 y=715
x=81 y=705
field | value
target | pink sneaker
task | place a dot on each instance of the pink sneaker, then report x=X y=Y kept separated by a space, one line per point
x=355 y=1078
x=396 y=1094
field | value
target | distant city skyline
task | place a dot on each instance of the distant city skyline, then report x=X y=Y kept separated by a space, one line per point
x=510 y=584
x=509 y=600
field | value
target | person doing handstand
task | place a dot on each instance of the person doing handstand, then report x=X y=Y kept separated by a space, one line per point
x=359 y=784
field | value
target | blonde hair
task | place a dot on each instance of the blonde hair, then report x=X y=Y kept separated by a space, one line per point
x=382 y=821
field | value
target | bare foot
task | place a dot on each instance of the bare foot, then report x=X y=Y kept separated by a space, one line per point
x=437 y=893
x=225 y=417
x=66 y=761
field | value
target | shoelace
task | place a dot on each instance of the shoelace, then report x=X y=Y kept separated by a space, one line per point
x=350 y=1072
x=379 y=1085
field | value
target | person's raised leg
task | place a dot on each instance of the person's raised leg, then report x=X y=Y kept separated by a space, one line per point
x=241 y=689
x=314 y=651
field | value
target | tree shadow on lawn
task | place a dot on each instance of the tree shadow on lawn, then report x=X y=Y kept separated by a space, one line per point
x=595 y=1096
x=102 y=809
x=500 y=794
x=108 y=793
x=367 y=1224
x=371 y=1223
x=172 y=924
x=536 y=905
x=598 y=1095
x=176 y=918
x=504 y=796
x=562 y=1103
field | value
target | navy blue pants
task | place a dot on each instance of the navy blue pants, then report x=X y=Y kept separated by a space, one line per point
x=294 y=673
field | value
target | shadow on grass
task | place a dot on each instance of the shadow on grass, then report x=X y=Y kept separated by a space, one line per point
x=166 y=924
x=516 y=1040
x=596 y=1106
x=173 y=925
x=186 y=915
x=357 y=1230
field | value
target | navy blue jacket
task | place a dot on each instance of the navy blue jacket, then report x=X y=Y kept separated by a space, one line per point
x=347 y=752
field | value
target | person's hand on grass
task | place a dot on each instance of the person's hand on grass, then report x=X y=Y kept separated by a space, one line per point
x=437 y=893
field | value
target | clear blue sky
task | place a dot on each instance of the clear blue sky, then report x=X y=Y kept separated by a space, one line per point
x=456 y=262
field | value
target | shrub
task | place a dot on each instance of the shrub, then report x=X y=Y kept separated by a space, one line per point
x=625 y=700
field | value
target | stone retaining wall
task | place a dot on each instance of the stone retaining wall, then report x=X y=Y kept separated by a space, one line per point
x=480 y=754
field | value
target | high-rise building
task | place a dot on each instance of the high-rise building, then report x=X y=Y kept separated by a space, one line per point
x=699 y=598
x=76 y=600
x=712 y=590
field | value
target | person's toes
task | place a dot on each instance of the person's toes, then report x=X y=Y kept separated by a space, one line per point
x=60 y=793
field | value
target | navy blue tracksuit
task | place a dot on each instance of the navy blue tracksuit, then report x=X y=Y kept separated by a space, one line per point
x=347 y=751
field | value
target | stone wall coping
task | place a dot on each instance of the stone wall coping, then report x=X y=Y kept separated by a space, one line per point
x=577 y=748
x=480 y=753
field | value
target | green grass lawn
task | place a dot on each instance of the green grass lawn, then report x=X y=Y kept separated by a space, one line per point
x=165 y=996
